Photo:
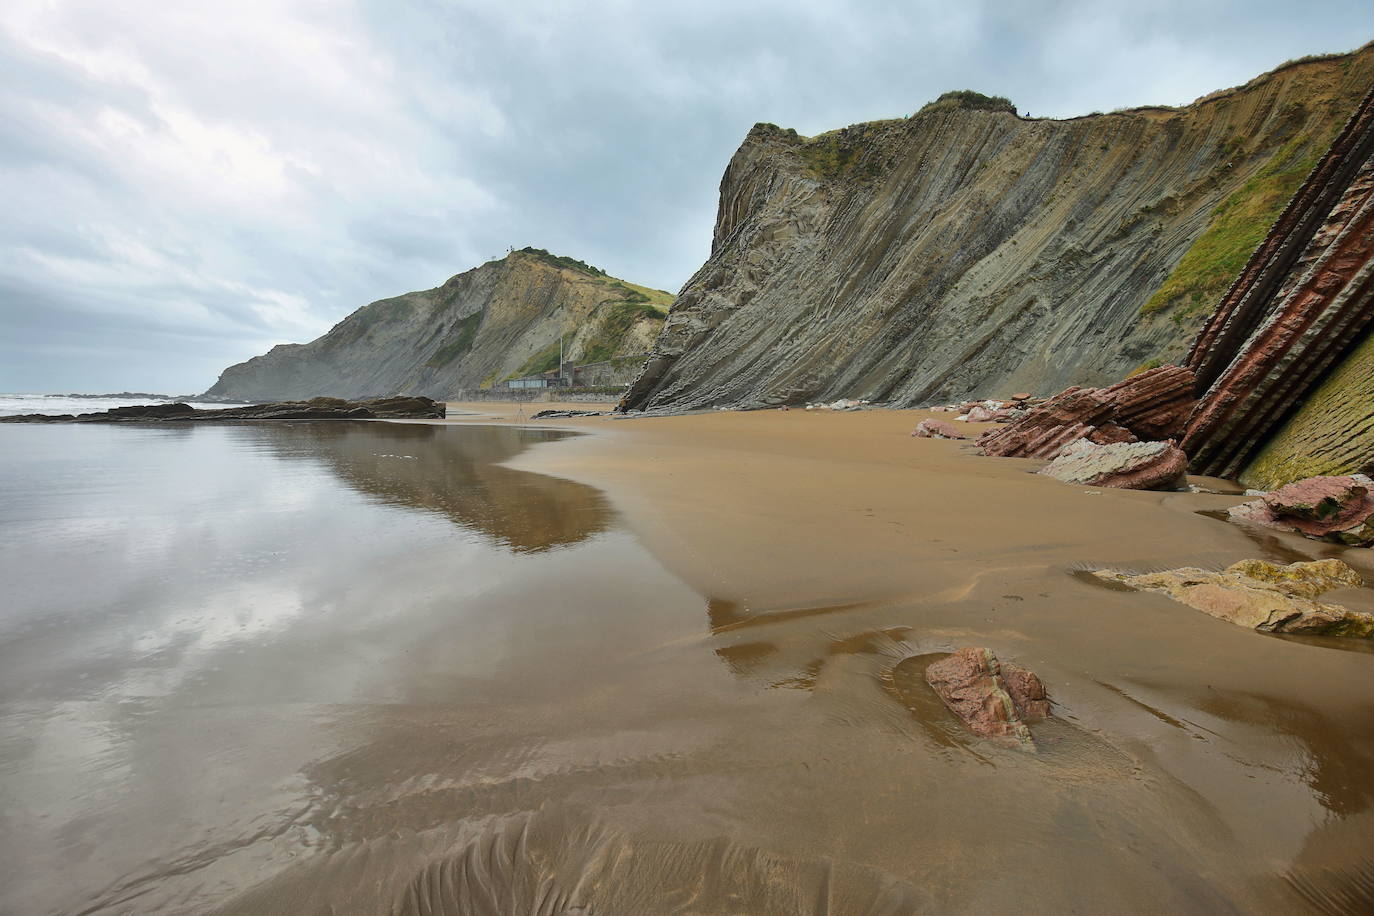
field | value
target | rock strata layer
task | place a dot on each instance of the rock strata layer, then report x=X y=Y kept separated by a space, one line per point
x=1150 y=405
x=397 y=408
x=1262 y=596
x=964 y=252
x=992 y=698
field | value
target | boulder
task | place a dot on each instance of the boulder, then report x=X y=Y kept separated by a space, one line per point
x=936 y=429
x=1339 y=509
x=993 y=699
x=981 y=414
x=1021 y=396
x=1263 y=596
x=1124 y=465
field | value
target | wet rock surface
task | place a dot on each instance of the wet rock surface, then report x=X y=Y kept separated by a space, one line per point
x=992 y=698
x=1339 y=509
x=1123 y=465
x=396 y=408
x=1263 y=596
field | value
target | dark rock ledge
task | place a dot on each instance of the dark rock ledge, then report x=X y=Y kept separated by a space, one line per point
x=397 y=408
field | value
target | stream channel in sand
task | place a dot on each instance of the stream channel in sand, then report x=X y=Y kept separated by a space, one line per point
x=672 y=667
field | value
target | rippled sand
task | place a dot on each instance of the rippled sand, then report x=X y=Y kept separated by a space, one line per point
x=676 y=666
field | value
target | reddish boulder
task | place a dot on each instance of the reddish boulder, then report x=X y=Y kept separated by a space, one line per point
x=1123 y=465
x=1337 y=509
x=991 y=698
x=1021 y=396
x=981 y=414
x=936 y=429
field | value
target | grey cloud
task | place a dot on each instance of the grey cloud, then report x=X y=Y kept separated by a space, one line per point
x=187 y=186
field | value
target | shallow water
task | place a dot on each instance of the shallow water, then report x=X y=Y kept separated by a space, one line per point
x=364 y=668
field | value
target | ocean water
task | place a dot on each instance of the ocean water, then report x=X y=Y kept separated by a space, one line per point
x=14 y=404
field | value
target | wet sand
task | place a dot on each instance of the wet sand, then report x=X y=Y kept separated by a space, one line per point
x=1193 y=766
x=676 y=666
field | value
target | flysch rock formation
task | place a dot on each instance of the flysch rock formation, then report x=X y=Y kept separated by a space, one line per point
x=1303 y=304
x=499 y=320
x=967 y=252
x=1279 y=383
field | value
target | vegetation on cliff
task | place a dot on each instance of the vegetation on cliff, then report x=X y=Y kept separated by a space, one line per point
x=1236 y=228
x=969 y=100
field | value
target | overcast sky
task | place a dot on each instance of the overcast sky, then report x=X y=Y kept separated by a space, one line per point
x=185 y=184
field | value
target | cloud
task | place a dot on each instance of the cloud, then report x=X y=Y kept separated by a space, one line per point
x=187 y=185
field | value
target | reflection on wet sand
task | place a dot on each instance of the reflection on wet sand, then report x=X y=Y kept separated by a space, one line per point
x=373 y=695
x=407 y=464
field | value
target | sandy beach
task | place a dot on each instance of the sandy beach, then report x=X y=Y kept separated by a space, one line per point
x=1191 y=763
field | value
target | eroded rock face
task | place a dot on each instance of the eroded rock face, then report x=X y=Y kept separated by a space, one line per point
x=993 y=699
x=936 y=429
x=394 y=408
x=962 y=252
x=1263 y=596
x=1339 y=509
x=1124 y=465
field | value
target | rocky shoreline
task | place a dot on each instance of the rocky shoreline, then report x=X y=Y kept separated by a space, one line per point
x=394 y=408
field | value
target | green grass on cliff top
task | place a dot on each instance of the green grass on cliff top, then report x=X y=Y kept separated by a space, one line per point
x=1237 y=227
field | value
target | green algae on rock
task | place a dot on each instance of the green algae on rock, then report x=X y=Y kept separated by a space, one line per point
x=1262 y=596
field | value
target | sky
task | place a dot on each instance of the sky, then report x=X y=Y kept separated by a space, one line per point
x=185 y=185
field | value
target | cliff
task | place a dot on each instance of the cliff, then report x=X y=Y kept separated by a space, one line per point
x=1278 y=385
x=499 y=320
x=965 y=251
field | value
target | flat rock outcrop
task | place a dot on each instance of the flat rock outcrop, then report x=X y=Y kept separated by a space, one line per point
x=992 y=698
x=964 y=252
x=1339 y=509
x=1123 y=465
x=394 y=408
x=1262 y=596
x=502 y=319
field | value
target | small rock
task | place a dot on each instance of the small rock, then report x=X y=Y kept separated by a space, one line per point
x=1262 y=596
x=991 y=698
x=1124 y=465
x=1021 y=396
x=936 y=429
